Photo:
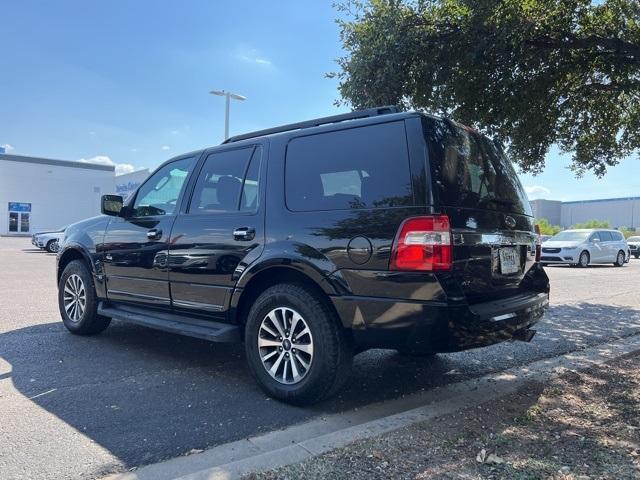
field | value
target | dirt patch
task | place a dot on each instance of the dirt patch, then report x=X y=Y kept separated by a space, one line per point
x=582 y=425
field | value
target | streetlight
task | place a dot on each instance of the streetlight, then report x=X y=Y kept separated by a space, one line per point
x=228 y=96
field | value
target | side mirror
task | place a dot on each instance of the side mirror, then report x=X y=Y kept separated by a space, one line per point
x=111 y=205
x=595 y=240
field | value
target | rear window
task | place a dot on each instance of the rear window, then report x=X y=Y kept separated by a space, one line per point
x=365 y=167
x=469 y=170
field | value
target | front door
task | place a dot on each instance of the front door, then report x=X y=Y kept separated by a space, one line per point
x=220 y=232
x=135 y=247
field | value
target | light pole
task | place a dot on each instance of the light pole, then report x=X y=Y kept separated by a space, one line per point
x=228 y=96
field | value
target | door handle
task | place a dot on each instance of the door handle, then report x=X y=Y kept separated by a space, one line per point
x=154 y=234
x=244 y=233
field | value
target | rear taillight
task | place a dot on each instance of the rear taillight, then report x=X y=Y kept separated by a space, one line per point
x=423 y=243
x=538 y=246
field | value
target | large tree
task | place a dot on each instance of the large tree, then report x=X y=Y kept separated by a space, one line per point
x=531 y=73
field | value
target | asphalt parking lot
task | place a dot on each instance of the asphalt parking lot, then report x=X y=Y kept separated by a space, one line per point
x=73 y=407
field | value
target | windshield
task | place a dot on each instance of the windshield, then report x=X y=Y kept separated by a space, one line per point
x=569 y=236
x=633 y=239
x=469 y=170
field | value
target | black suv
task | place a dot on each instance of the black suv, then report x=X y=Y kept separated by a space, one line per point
x=316 y=240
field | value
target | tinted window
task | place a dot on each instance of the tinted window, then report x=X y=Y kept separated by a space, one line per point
x=617 y=236
x=249 y=199
x=471 y=171
x=159 y=194
x=596 y=235
x=606 y=236
x=220 y=181
x=365 y=167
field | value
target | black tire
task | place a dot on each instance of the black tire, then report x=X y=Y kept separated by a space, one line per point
x=88 y=322
x=51 y=248
x=620 y=259
x=583 y=260
x=332 y=349
x=636 y=256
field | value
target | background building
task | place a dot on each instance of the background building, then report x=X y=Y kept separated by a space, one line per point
x=549 y=209
x=619 y=212
x=128 y=183
x=41 y=194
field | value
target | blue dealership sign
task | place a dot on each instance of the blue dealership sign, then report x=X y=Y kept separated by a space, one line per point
x=19 y=207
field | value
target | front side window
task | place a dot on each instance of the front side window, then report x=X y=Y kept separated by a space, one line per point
x=364 y=167
x=160 y=193
x=606 y=236
x=227 y=182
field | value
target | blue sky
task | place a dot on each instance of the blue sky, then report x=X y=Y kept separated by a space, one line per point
x=127 y=81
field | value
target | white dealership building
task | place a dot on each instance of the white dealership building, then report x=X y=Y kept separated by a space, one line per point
x=41 y=193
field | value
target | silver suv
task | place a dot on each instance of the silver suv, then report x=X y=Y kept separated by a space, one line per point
x=582 y=247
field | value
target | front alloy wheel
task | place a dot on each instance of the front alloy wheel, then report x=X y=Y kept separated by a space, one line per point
x=286 y=345
x=74 y=298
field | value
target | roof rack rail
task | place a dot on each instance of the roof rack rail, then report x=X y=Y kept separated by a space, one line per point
x=369 y=112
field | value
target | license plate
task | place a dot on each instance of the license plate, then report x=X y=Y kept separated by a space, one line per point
x=509 y=261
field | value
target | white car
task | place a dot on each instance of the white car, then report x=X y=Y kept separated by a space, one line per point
x=634 y=245
x=583 y=247
x=49 y=241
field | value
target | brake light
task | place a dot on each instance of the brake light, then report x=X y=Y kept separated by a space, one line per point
x=423 y=243
x=538 y=246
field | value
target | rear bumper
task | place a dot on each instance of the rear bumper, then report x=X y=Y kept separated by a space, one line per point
x=439 y=326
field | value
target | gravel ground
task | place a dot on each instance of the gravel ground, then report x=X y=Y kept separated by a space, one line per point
x=582 y=425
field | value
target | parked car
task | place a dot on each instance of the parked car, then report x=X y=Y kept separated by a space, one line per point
x=544 y=238
x=49 y=240
x=634 y=246
x=377 y=230
x=585 y=246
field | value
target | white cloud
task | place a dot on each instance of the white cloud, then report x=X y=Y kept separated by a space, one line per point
x=536 y=191
x=7 y=147
x=253 y=56
x=165 y=147
x=121 y=168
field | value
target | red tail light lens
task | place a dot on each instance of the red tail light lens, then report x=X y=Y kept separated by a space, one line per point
x=538 y=246
x=423 y=243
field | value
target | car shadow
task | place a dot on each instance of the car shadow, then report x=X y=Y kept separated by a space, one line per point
x=146 y=395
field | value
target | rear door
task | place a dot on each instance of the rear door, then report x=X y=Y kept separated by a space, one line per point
x=220 y=231
x=491 y=219
x=135 y=247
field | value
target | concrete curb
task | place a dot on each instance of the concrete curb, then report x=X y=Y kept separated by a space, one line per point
x=299 y=442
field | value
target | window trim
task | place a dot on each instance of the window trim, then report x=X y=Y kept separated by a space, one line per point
x=186 y=210
x=132 y=199
x=344 y=128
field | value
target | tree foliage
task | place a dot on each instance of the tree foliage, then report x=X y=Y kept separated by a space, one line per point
x=531 y=73
x=546 y=228
x=593 y=224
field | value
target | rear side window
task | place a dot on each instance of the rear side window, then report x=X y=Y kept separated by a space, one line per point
x=228 y=182
x=471 y=171
x=617 y=236
x=606 y=236
x=365 y=167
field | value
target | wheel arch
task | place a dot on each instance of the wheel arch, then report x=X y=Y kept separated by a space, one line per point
x=273 y=274
x=70 y=254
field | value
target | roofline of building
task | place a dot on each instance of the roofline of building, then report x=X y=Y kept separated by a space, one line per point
x=598 y=200
x=58 y=163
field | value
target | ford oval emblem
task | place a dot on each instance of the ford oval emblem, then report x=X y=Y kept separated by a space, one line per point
x=510 y=221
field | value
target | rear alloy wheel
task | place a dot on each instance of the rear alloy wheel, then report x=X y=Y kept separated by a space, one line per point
x=52 y=246
x=620 y=258
x=286 y=345
x=296 y=348
x=77 y=301
x=583 y=261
